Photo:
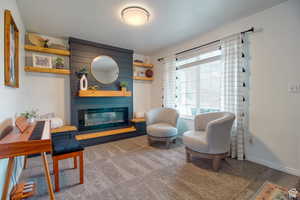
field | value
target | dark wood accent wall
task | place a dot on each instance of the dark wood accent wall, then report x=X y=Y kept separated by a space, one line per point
x=82 y=54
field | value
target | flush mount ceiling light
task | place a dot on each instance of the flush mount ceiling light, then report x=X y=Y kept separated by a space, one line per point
x=135 y=16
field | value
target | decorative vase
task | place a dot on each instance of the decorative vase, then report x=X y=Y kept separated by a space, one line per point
x=31 y=120
x=149 y=73
x=83 y=82
x=124 y=90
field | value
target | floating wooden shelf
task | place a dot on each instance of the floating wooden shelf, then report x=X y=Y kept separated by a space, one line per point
x=105 y=133
x=64 y=129
x=136 y=120
x=104 y=93
x=47 y=70
x=137 y=64
x=143 y=78
x=47 y=50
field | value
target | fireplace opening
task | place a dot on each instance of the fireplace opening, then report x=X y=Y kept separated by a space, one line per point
x=101 y=118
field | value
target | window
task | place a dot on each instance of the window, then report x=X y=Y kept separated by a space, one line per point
x=199 y=79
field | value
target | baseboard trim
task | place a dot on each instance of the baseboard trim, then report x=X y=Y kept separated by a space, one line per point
x=276 y=166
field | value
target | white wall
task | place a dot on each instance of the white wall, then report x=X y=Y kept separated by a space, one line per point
x=12 y=100
x=49 y=93
x=274 y=113
x=142 y=90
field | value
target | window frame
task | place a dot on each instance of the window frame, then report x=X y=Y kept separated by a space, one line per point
x=197 y=64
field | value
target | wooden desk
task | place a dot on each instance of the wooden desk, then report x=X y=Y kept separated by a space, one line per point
x=35 y=139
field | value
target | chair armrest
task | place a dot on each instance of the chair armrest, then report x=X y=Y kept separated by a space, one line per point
x=150 y=116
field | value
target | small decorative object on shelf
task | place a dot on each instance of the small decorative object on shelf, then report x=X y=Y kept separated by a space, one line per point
x=82 y=71
x=141 y=73
x=149 y=73
x=138 y=61
x=34 y=39
x=83 y=82
x=57 y=46
x=93 y=87
x=42 y=61
x=293 y=194
x=38 y=41
x=59 y=63
x=30 y=115
x=123 y=84
x=46 y=45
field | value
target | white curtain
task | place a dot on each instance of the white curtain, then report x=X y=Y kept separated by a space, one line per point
x=235 y=88
x=169 y=82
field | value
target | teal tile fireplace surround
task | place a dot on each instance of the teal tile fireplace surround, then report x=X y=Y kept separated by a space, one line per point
x=82 y=54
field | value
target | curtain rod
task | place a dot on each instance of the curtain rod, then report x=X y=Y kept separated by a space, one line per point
x=209 y=43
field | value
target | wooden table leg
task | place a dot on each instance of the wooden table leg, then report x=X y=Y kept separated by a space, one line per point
x=47 y=175
x=25 y=162
x=75 y=162
x=10 y=167
x=81 y=173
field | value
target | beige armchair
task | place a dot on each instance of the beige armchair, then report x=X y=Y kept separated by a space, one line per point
x=211 y=137
x=162 y=125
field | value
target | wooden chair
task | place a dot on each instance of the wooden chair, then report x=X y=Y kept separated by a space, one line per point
x=66 y=146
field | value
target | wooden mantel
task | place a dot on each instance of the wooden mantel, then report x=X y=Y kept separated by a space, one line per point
x=105 y=93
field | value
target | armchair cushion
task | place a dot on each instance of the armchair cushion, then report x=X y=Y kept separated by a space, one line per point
x=161 y=130
x=196 y=140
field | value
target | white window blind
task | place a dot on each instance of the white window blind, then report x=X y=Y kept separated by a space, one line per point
x=199 y=78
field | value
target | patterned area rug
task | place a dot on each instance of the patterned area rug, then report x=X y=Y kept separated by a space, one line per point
x=270 y=191
x=131 y=170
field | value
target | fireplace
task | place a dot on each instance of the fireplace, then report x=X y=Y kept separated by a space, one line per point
x=101 y=118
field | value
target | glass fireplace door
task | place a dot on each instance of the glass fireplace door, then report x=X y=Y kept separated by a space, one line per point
x=102 y=118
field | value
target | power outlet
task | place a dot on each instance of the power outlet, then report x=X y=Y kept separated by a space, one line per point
x=294 y=87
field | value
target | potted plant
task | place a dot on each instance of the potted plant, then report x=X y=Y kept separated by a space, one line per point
x=30 y=115
x=59 y=63
x=82 y=71
x=123 y=86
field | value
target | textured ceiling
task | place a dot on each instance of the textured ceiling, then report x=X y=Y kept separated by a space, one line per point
x=171 y=21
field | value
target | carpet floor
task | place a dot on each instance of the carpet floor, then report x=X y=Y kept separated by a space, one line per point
x=132 y=170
